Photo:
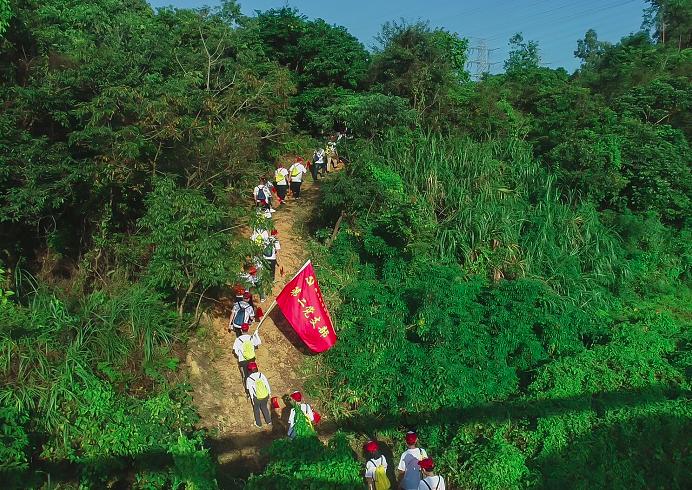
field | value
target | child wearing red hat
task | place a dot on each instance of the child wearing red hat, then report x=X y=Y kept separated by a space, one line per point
x=430 y=480
x=281 y=181
x=408 y=469
x=375 y=467
x=271 y=248
x=242 y=312
x=258 y=388
x=244 y=348
x=262 y=194
x=295 y=175
x=297 y=397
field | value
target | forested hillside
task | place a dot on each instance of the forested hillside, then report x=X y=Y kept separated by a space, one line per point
x=509 y=274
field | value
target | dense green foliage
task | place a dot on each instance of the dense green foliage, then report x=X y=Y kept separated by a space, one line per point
x=306 y=463
x=511 y=276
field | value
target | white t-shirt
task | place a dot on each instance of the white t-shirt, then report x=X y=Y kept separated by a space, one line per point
x=409 y=464
x=319 y=156
x=247 y=318
x=266 y=189
x=275 y=248
x=372 y=465
x=251 y=384
x=238 y=344
x=297 y=167
x=259 y=237
x=433 y=483
x=307 y=410
x=279 y=174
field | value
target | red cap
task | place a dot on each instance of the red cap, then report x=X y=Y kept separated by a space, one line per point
x=252 y=270
x=247 y=295
x=245 y=327
x=238 y=290
x=252 y=366
x=427 y=464
x=299 y=159
x=275 y=232
x=371 y=446
x=297 y=396
x=411 y=437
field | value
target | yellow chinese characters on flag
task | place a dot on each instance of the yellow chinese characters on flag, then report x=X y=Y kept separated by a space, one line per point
x=302 y=304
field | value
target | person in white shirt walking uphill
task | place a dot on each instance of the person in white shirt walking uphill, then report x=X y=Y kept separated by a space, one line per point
x=332 y=154
x=258 y=389
x=271 y=247
x=295 y=175
x=317 y=163
x=376 y=468
x=297 y=397
x=242 y=313
x=408 y=469
x=430 y=481
x=251 y=277
x=263 y=194
x=281 y=182
x=244 y=348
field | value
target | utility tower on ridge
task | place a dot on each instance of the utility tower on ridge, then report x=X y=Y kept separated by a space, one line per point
x=481 y=64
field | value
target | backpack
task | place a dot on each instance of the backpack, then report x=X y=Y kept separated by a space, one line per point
x=380 y=477
x=295 y=171
x=439 y=480
x=279 y=177
x=261 y=195
x=269 y=248
x=248 y=350
x=239 y=317
x=261 y=390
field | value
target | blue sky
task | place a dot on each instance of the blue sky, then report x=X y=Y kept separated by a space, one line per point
x=555 y=24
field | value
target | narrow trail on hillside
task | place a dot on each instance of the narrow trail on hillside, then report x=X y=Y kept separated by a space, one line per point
x=218 y=390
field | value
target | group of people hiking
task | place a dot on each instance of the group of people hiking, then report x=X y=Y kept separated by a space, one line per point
x=257 y=387
x=259 y=273
x=325 y=158
x=416 y=470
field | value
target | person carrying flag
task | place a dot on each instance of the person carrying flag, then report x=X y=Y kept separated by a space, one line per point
x=297 y=398
x=244 y=348
x=295 y=175
x=408 y=469
x=271 y=247
x=258 y=388
x=281 y=182
x=376 y=468
x=430 y=481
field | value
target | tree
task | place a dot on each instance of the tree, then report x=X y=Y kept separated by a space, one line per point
x=320 y=54
x=5 y=14
x=590 y=48
x=670 y=21
x=188 y=241
x=522 y=55
x=423 y=65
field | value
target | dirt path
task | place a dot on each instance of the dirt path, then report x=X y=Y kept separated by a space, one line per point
x=216 y=381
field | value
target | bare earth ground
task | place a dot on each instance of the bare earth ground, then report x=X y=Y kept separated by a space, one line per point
x=218 y=390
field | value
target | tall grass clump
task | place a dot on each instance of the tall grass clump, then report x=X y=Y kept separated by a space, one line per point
x=488 y=206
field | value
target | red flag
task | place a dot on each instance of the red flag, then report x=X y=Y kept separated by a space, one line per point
x=302 y=304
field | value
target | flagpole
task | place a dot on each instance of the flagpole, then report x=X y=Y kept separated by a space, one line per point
x=264 y=317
